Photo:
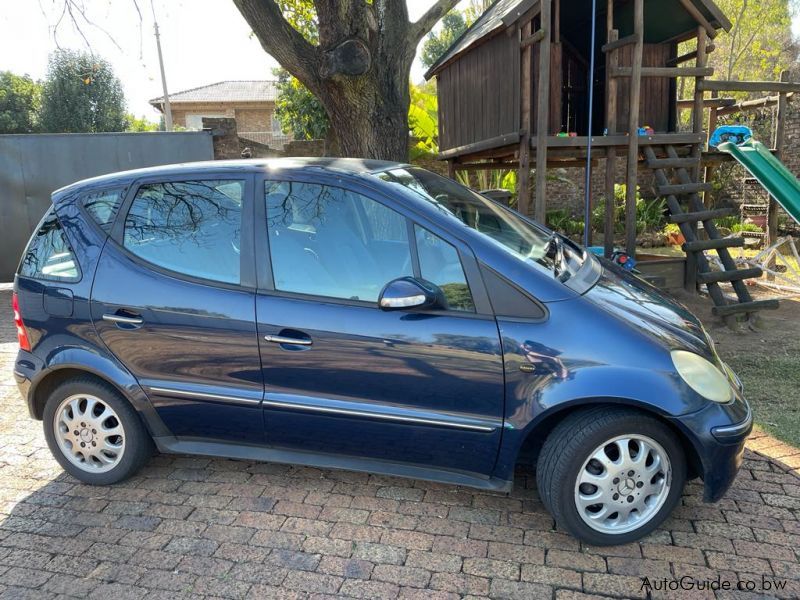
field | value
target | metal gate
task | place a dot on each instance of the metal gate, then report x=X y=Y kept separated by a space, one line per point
x=33 y=166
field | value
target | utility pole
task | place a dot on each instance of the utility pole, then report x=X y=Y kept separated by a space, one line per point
x=167 y=108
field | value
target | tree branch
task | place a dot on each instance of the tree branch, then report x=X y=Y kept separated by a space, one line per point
x=282 y=41
x=426 y=22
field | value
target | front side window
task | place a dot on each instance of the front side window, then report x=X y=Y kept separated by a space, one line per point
x=328 y=241
x=498 y=225
x=439 y=263
x=48 y=255
x=103 y=206
x=190 y=227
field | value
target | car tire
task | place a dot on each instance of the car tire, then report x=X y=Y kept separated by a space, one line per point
x=610 y=475
x=94 y=432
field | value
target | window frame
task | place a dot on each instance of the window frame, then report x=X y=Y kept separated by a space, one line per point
x=355 y=184
x=122 y=188
x=247 y=277
x=51 y=212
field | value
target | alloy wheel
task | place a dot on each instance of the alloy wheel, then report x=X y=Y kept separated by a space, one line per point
x=89 y=433
x=623 y=484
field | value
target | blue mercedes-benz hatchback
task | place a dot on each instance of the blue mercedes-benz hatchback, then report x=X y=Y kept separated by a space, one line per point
x=370 y=316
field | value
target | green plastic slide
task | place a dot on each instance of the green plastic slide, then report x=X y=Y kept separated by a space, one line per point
x=771 y=173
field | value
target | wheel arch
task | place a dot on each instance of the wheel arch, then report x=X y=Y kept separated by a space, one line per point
x=76 y=362
x=536 y=433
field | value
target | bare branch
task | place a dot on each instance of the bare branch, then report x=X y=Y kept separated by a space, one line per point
x=282 y=41
x=426 y=22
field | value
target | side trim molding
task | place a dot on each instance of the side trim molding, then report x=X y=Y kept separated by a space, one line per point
x=379 y=415
x=204 y=396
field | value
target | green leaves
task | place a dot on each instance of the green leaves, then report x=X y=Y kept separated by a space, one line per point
x=423 y=121
x=298 y=110
x=20 y=97
x=453 y=25
x=81 y=94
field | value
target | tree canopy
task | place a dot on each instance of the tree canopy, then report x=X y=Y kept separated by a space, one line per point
x=20 y=97
x=760 y=43
x=453 y=25
x=298 y=111
x=81 y=94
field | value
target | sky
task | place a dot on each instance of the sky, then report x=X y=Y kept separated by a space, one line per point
x=203 y=41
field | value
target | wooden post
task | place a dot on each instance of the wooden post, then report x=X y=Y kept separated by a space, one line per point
x=633 y=125
x=709 y=170
x=780 y=139
x=697 y=113
x=612 y=58
x=451 y=169
x=690 y=284
x=524 y=178
x=542 y=114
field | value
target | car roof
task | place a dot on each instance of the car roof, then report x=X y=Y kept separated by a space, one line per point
x=332 y=164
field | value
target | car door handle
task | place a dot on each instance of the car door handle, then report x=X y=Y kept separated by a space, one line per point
x=123 y=319
x=282 y=339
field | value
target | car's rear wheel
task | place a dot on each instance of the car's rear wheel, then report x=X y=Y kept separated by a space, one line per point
x=94 y=433
x=611 y=475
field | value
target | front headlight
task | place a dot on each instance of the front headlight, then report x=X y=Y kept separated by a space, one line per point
x=702 y=376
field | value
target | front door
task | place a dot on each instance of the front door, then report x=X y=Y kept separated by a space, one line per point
x=343 y=377
x=174 y=301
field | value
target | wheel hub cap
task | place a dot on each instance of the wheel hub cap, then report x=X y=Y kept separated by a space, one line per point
x=627 y=486
x=623 y=484
x=89 y=433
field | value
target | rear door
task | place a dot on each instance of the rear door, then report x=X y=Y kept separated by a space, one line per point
x=173 y=299
x=343 y=377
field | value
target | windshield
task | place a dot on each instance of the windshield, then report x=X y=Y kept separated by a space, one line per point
x=501 y=226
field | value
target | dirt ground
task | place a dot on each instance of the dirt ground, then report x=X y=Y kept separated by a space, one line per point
x=767 y=361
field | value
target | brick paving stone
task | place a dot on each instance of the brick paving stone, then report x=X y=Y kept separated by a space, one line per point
x=579 y=561
x=380 y=553
x=192 y=527
x=434 y=561
x=377 y=590
x=519 y=590
x=613 y=585
x=402 y=575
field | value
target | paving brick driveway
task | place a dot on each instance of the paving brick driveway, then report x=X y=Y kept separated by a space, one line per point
x=191 y=527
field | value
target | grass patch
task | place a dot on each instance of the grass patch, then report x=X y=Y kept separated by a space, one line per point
x=771 y=383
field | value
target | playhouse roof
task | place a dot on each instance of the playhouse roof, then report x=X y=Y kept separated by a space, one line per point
x=664 y=20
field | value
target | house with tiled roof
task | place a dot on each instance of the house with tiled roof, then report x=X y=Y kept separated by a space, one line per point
x=251 y=103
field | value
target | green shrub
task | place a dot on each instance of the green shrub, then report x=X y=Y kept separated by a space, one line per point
x=740 y=227
x=649 y=213
x=560 y=219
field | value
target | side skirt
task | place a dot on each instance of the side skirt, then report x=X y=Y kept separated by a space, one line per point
x=185 y=445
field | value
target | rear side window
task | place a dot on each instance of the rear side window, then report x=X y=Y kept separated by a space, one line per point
x=103 y=206
x=48 y=255
x=190 y=227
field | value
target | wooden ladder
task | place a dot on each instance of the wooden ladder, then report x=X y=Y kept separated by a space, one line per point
x=678 y=189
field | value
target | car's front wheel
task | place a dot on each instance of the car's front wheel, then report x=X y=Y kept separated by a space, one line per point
x=94 y=433
x=611 y=475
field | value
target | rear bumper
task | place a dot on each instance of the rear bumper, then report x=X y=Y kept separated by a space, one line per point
x=26 y=369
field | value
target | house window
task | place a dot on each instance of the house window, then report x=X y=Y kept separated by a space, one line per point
x=195 y=121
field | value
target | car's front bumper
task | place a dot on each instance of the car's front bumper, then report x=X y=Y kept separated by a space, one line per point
x=718 y=433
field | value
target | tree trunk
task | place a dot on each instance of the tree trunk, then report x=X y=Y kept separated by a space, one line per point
x=358 y=69
x=369 y=123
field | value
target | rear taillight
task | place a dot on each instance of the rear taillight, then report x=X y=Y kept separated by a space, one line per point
x=22 y=333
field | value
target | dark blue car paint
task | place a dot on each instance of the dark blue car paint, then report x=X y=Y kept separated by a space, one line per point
x=422 y=394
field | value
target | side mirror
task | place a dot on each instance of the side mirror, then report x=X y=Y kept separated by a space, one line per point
x=407 y=292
